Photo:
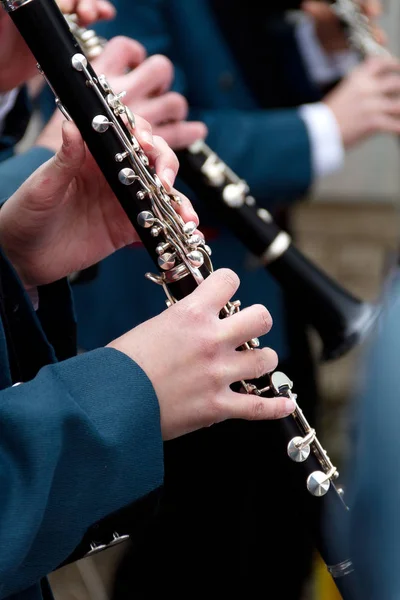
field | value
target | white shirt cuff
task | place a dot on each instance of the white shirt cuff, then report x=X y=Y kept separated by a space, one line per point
x=323 y=68
x=327 y=150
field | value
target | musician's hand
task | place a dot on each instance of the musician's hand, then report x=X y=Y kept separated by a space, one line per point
x=190 y=356
x=65 y=217
x=88 y=11
x=147 y=87
x=330 y=31
x=368 y=100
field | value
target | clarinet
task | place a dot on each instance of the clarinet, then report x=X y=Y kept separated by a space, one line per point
x=182 y=257
x=341 y=320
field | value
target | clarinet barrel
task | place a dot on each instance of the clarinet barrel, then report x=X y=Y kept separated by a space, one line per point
x=340 y=319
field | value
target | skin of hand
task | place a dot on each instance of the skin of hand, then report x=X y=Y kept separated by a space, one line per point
x=329 y=30
x=367 y=101
x=190 y=356
x=17 y=65
x=147 y=83
x=65 y=217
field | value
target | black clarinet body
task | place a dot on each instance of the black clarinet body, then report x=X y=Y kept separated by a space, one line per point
x=340 y=319
x=181 y=256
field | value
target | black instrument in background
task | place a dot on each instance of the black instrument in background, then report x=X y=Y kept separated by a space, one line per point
x=107 y=127
x=340 y=319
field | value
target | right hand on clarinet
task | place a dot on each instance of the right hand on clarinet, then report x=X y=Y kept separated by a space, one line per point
x=190 y=356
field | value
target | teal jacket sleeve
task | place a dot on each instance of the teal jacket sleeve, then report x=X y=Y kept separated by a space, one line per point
x=16 y=169
x=269 y=148
x=79 y=441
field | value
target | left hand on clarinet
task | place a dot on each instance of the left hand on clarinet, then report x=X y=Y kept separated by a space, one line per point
x=65 y=218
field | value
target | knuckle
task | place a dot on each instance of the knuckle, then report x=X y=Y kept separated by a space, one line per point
x=180 y=104
x=271 y=359
x=264 y=318
x=193 y=312
x=163 y=66
x=264 y=361
x=257 y=410
x=210 y=350
x=215 y=373
x=229 y=278
x=260 y=363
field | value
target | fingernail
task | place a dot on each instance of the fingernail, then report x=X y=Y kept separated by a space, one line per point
x=169 y=178
x=290 y=406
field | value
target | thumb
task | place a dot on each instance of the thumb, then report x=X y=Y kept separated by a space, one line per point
x=58 y=172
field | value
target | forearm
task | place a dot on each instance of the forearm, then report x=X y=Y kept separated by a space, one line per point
x=78 y=442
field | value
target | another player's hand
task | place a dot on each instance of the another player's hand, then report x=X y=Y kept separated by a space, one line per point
x=65 y=217
x=147 y=83
x=367 y=101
